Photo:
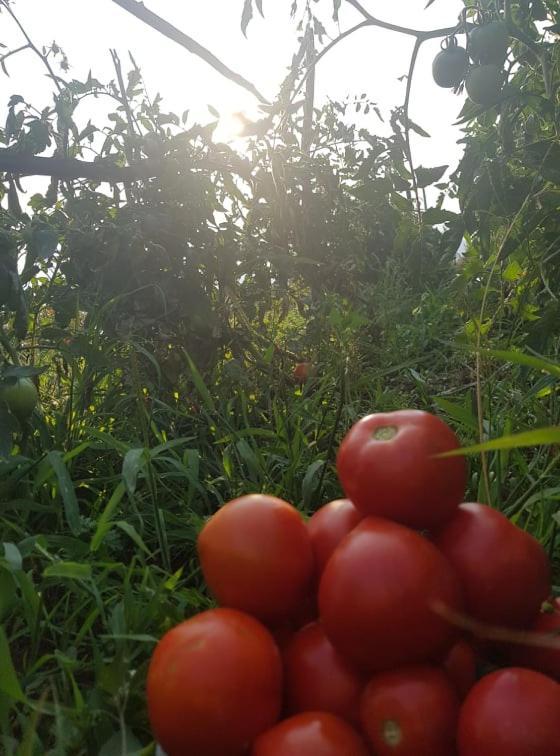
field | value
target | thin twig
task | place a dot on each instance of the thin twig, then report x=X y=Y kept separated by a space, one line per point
x=5 y=57
x=418 y=33
x=171 y=32
x=31 y=45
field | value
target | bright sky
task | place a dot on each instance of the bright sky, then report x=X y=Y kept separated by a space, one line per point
x=369 y=61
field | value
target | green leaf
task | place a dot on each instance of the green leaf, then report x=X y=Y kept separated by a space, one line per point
x=134 y=461
x=246 y=16
x=538 y=363
x=540 y=437
x=66 y=488
x=13 y=556
x=9 y=683
x=200 y=385
x=311 y=480
x=458 y=412
x=427 y=176
x=122 y=744
x=104 y=522
x=435 y=215
x=417 y=129
x=132 y=533
x=72 y=570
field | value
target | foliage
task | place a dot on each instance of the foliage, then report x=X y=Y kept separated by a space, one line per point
x=161 y=316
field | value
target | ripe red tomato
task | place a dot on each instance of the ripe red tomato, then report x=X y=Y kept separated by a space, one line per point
x=214 y=683
x=411 y=711
x=504 y=571
x=317 y=678
x=378 y=592
x=303 y=371
x=328 y=526
x=388 y=467
x=310 y=734
x=460 y=665
x=256 y=555
x=545 y=660
x=511 y=712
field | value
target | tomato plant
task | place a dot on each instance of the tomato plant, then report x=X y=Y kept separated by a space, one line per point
x=214 y=683
x=388 y=466
x=310 y=734
x=504 y=571
x=460 y=664
x=317 y=678
x=379 y=593
x=511 y=712
x=411 y=711
x=256 y=555
x=328 y=526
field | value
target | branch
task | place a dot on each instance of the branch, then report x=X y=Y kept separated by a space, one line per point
x=413 y=59
x=31 y=45
x=68 y=169
x=171 y=32
x=418 y=33
x=5 y=57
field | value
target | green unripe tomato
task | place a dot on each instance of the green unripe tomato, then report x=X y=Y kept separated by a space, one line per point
x=484 y=84
x=450 y=66
x=21 y=397
x=488 y=44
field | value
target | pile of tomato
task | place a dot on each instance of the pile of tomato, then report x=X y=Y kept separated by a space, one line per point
x=395 y=622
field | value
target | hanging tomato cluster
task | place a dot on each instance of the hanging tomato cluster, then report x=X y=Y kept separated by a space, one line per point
x=360 y=631
x=483 y=75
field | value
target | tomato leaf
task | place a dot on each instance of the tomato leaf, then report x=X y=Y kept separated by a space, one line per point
x=427 y=176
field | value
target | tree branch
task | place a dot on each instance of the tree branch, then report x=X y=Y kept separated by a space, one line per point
x=69 y=169
x=418 y=33
x=56 y=79
x=171 y=32
x=413 y=58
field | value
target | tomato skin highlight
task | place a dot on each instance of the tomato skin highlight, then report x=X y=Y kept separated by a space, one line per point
x=541 y=659
x=511 y=712
x=388 y=467
x=310 y=734
x=504 y=571
x=214 y=683
x=328 y=526
x=460 y=665
x=379 y=593
x=256 y=556
x=411 y=711
x=317 y=678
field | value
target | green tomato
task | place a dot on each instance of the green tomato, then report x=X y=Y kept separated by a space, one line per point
x=488 y=44
x=21 y=397
x=450 y=66
x=484 y=84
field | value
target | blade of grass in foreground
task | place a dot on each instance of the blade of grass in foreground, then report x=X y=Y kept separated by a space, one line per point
x=539 y=437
